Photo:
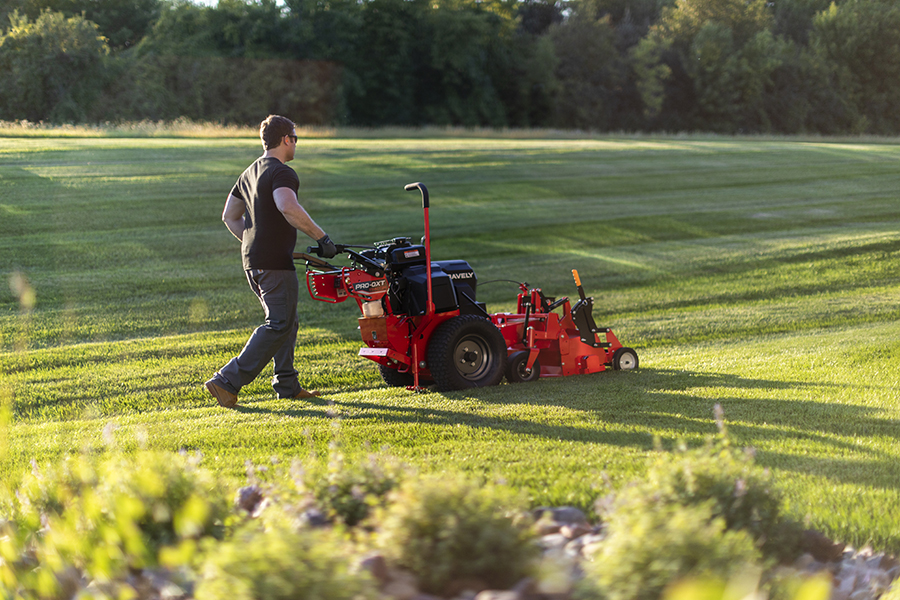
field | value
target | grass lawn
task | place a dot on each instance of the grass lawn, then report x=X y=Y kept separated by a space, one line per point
x=763 y=275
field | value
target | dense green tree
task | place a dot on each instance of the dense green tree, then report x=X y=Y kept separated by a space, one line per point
x=526 y=79
x=723 y=65
x=234 y=28
x=590 y=73
x=650 y=73
x=183 y=29
x=639 y=14
x=701 y=67
x=684 y=20
x=804 y=96
x=328 y=28
x=710 y=65
x=217 y=88
x=380 y=67
x=460 y=50
x=794 y=18
x=536 y=16
x=123 y=22
x=753 y=75
x=861 y=42
x=416 y=62
x=51 y=67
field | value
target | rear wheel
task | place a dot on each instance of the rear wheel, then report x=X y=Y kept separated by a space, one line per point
x=625 y=359
x=395 y=378
x=516 y=371
x=465 y=352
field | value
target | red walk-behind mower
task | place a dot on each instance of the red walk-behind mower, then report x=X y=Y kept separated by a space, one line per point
x=421 y=321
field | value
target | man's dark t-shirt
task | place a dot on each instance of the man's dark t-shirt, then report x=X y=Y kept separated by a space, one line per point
x=268 y=240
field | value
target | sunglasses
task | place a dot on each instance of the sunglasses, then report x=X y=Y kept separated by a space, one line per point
x=293 y=138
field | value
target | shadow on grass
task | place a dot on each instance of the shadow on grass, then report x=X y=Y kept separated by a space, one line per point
x=642 y=408
x=307 y=408
x=670 y=405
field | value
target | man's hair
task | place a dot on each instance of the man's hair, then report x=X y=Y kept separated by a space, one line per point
x=273 y=130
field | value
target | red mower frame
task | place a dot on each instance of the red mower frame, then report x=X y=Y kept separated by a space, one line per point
x=457 y=350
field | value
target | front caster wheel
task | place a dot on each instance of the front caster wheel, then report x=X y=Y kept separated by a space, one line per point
x=625 y=359
x=516 y=371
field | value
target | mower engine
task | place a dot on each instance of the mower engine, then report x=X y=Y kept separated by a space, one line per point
x=453 y=282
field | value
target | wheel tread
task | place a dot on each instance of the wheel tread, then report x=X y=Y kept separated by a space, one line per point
x=440 y=353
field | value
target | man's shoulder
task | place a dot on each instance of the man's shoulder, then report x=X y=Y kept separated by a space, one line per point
x=267 y=167
x=267 y=163
x=277 y=165
x=264 y=176
x=284 y=176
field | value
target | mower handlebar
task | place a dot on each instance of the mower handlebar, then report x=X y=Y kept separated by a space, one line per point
x=315 y=249
x=369 y=266
x=421 y=187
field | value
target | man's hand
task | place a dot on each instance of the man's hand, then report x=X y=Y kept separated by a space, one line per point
x=326 y=247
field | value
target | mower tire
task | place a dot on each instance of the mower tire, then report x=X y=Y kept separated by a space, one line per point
x=515 y=368
x=465 y=352
x=395 y=378
x=625 y=359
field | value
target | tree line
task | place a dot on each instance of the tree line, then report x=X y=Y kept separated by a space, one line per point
x=731 y=66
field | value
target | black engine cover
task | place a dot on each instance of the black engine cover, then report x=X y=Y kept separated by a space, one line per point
x=453 y=286
x=412 y=291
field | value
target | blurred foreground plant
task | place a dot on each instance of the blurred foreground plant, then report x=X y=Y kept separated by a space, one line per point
x=279 y=562
x=340 y=490
x=448 y=530
x=349 y=492
x=646 y=551
x=705 y=514
x=718 y=475
x=106 y=518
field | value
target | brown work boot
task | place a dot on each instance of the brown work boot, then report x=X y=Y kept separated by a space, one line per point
x=305 y=394
x=224 y=397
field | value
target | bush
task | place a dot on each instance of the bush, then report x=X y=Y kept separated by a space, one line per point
x=106 y=518
x=350 y=492
x=704 y=517
x=739 y=492
x=50 y=67
x=647 y=551
x=281 y=563
x=447 y=530
x=789 y=586
x=337 y=491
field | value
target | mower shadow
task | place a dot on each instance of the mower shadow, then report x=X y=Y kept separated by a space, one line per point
x=649 y=407
x=665 y=406
x=670 y=403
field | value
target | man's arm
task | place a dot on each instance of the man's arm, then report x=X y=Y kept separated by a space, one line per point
x=296 y=215
x=233 y=216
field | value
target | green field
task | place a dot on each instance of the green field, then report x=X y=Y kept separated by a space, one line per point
x=763 y=275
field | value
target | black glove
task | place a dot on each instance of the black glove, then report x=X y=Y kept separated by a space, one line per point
x=326 y=247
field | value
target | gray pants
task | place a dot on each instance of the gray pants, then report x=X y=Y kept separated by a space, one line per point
x=278 y=293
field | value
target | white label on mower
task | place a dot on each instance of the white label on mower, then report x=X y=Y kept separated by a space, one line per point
x=364 y=286
x=373 y=351
x=411 y=253
x=466 y=275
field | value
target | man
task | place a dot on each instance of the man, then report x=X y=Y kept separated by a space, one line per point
x=263 y=212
